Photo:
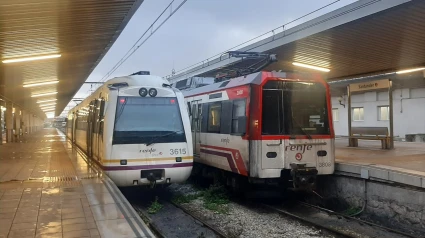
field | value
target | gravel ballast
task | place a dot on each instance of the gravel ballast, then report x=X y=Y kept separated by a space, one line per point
x=242 y=221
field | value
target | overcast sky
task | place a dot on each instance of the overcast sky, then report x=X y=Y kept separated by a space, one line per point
x=200 y=29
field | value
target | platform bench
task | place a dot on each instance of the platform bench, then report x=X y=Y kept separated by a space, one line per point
x=370 y=133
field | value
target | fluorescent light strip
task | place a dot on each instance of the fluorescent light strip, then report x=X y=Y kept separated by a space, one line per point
x=48 y=104
x=311 y=67
x=49 y=107
x=409 y=70
x=43 y=94
x=40 y=84
x=50 y=100
x=31 y=58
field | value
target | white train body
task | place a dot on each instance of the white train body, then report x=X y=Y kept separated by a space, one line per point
x=264 y=126
x=137 y=140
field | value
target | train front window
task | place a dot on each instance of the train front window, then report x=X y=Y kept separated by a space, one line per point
x=148 y=120
x=294 y=108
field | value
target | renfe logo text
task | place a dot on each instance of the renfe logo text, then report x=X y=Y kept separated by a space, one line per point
x=302 y=148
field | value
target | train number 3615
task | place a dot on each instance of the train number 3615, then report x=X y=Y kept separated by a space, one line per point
x=325 y=164
x=177 y=151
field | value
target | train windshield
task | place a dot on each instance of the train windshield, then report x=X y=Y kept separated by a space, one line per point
x=294 y=108
x=148 y=120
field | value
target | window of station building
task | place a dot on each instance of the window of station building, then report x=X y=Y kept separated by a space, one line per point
x=214 y=115
x=383 y=113
x=335 y=114
x=239 y=109
x=358 y=114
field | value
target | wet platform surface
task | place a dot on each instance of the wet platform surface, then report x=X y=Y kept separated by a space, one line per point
x=48 y=190
x=406 y=158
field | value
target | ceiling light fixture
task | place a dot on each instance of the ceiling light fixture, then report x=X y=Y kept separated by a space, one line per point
x=311 y=67
x=409 y=70
x=40 y=84
x=31 y=58
x=50 y=100
x=48 y=104
x=48 y=107
x=43 y=94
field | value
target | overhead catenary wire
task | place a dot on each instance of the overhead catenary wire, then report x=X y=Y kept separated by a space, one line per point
x=135 y=47
x=252 y=39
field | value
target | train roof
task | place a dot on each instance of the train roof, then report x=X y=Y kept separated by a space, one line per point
x=255 y=78
x=139 y=80
x=130 y=81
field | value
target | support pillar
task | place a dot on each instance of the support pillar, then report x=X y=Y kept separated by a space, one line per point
x=37 y=123
x=17 y=123
x=1 y=122
x=29 y=123
x=391 y=106
x=351 y=142
x=9 y=122
x=24 y=122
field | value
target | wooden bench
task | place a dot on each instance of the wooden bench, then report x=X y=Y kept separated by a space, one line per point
x=370 y=133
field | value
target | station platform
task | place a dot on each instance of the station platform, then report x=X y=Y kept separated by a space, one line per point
x=405 y=164
x=47 y=189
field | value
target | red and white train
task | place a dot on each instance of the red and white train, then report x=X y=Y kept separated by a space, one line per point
x=263 y=128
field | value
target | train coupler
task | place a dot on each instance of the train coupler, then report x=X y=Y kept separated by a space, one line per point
x=303 y=178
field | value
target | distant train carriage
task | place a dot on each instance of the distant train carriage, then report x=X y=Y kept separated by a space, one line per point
x=137 y=129
x=265 y=127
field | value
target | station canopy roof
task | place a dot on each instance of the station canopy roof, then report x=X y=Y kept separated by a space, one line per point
x=71 y=36
x=367 y=37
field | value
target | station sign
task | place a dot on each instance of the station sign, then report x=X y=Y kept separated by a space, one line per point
x=371 y=85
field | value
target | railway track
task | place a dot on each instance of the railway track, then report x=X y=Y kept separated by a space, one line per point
x=349 y=227
x=161 y=233
x=205 y=223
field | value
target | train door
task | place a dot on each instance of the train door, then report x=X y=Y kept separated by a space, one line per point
x=74 y=126
x=89 y=133
x=95 y=124
x=196 y=126
x=100 y=129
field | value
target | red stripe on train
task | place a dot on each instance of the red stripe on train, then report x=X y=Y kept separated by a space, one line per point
x=237 y=157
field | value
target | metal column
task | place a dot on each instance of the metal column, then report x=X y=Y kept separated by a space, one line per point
x=17 y=119
x=1 y=124
x=391 y=105
x=350 y=141
x=9 y=121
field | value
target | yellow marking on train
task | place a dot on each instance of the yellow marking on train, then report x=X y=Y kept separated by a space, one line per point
x=171 y=159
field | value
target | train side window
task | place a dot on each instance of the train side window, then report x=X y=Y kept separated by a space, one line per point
x=226 y=117
x=199 y=117
x=204 y=116
x=239 y=110
x=194 y=113
x=214 y=116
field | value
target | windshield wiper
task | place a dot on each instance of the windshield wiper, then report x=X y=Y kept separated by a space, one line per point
x=161 y=136
x=300 y=127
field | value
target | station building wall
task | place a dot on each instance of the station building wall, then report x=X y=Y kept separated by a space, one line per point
x=409 y=111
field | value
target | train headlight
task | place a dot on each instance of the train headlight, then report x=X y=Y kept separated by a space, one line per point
x=143 y=92
x=178 y=159
x=153 y=92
